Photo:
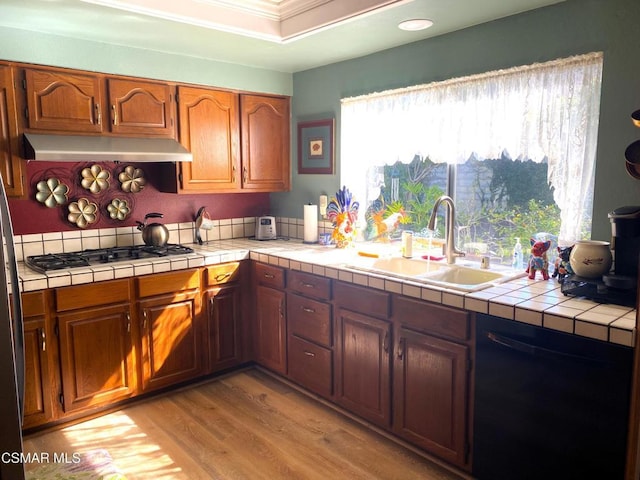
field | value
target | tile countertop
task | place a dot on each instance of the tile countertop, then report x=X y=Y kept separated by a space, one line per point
x=536 y=302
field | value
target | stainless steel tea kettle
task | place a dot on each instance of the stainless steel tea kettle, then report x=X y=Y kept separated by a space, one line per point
x=153 y=234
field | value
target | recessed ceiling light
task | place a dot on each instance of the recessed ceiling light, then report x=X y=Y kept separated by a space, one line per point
x=415 y=24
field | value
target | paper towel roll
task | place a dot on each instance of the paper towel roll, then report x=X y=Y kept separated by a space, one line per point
x=310 y=224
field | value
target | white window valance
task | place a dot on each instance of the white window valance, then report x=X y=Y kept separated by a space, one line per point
x=547 y=111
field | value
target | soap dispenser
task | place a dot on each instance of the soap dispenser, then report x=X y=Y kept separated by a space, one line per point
x=407 y=244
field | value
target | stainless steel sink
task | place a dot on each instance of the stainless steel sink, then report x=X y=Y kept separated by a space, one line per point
x=465 y=278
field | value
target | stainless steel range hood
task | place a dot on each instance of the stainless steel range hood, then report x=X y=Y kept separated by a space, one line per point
x=70 y=148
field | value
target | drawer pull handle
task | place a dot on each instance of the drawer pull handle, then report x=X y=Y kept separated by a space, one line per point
x=98 y=114
x=309 y=354
x=222 y=276
x=128 y=318
x=269 y=275
x=307 y=285
x=308 y=310
x=401 y=348
x=43 y=340
x=385 y=342
x=115 y=114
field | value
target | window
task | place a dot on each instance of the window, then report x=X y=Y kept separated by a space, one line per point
x=515 y=149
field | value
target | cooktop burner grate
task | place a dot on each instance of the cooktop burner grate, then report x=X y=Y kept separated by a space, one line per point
x=85 y=258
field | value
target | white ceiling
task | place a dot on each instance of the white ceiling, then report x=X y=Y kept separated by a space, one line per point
x=281 y=35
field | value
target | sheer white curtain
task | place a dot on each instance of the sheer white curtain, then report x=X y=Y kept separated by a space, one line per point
x=541 y=111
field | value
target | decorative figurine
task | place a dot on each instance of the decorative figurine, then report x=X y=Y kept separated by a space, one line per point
x=538 y=260
x=342 y=211
x=562 y=265
x=378 y=227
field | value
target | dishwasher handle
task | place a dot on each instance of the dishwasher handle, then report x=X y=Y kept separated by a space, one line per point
x=538 y=351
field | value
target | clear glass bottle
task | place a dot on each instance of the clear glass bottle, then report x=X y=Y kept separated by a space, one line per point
x=517 y=255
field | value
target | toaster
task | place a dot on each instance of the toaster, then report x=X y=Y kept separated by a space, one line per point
x=266 y=228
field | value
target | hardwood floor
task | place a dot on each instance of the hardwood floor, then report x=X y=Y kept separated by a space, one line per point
x=247 y=425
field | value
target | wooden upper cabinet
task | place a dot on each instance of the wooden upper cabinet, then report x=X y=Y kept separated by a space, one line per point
x=10 y=163
x=141 y=107
x=265 y=137
x=209 y=129
x=67 y=101
x=64 y=101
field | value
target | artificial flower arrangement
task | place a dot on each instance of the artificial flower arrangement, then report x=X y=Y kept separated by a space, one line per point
x=342 y=211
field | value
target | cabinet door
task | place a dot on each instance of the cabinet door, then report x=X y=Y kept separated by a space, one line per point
x=170 y=336
x=96 y=355
x=363 y=366
x=224 y=327
x=144 y=108
x=271 y=345
x=10 y=163
x=64 y=101
x=265 y=127
x=430 y=394
x=37 y=392
x=209 y=130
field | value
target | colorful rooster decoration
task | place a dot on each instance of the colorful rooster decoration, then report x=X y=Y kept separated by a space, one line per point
x=342 y=211
x=379 y=228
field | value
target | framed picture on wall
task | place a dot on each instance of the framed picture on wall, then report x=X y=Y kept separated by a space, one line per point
x=315 y=146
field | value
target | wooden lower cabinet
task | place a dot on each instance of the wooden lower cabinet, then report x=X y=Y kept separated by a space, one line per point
x=224 y=340
x=170 y=352
x=38 y=397
x=224 y=324
x=97 y=360
x=270 y=323
x=432 y=378
x=363 y=366
x=271 y=334
x=310 y=332
x=96 y=344
x=430 y=394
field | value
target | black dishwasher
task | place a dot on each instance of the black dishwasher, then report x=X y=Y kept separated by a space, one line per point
x=548 y=405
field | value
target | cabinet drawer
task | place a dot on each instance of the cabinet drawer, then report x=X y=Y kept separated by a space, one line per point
x=269 y=275
x=310 y=285
x=310 y=365
x=33 y=304
x=92 y=295
x=361 y=299
x=223 y=273
x=432 y=318
x=309 y=319
x=170 y=282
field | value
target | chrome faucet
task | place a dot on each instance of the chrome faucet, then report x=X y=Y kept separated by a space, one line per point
x=449 y=248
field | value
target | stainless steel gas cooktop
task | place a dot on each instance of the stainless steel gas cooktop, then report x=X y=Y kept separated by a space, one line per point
x=85 y=258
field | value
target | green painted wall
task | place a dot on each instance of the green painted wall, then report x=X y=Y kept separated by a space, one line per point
x=570 y=28
x=32 y=47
